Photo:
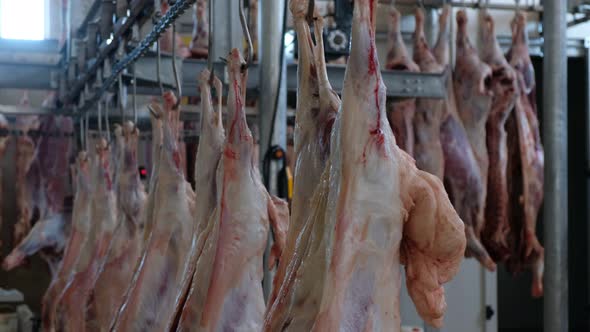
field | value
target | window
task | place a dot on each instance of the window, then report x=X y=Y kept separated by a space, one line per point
x=22 y=19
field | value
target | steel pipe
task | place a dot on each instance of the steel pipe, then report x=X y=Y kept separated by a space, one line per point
x=555 y=211
x=273 y=89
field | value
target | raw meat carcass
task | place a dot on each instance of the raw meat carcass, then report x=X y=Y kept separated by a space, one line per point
x=4 y=140
x=200 y=43
x=472 y=83
x=400 y=112
x=45 y=189
x=207 y=161
x=79 y=235
x=496 y=228
x=163 y=274
x=462 y=177
x=26 y=183
x=373 y=225
x=234 y=299
x=527 y=164
x=314 y=120
x=70 y=312
x=429 y=112
x=291 y=303
x=125 y=249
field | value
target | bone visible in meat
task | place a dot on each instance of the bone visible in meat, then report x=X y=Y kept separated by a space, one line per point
x=79 y=235
x=103 y=221
x=373 y=225
x=163 y=272
x=400 y=112
x=429 y=112
x=503 y=84
x=115 y=275
x=206 y=163
x=527 y=195
x=472 y=85
x=317 y=105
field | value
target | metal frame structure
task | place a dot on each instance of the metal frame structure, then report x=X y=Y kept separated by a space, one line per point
x=399 y=85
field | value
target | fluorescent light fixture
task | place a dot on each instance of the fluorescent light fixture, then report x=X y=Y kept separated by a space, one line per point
x=22 y=19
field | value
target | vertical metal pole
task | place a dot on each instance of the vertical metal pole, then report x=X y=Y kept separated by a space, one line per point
x=587 y=46
x=228 y=31
x=272 y=88
x=555 y=222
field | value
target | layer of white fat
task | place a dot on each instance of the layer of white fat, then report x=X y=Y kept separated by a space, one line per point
x=365 y=286
x=242 y=239
x=165 y=264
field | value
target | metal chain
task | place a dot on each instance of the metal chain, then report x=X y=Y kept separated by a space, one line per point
x=173 y=13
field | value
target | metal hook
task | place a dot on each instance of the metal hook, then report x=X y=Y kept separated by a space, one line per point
x=210 y=44
x=421 y=4
x=86 y=130
x=246 y=32
x=106 y=118
x=134 y=97
x=517 y=5
x=158 y=60
x=310 y=9
x=151 y=109
x=175 y=69
x=121 y=101
x=100 y=118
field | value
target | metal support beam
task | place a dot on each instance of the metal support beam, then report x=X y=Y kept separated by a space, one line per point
x=555 y=212
x=273 y=89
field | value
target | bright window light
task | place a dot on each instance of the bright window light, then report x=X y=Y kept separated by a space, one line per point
x=22 y=19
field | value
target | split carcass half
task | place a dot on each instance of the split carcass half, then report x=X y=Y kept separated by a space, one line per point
x=79 y=235
x=291 y=303
x=373 y=225
x=400 y=112
x=207 y=161
x=429 y=112
x=70 y=311
x=527 y=165
x=317 y=106
x=126 y=246
x=496 y=229
x=462 y=177
x=163 y=273
x=472 y=84
x=44 y=189
x=234 y=299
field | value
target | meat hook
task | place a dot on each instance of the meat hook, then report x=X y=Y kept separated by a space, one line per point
x=155 y=19
x=100 y=118
x=106 y=118
x=210 y=43
x=120 y=99
x=134 y=97
x=175 y=69
x=310 y=9
x=86 y=129
x=246 y=32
